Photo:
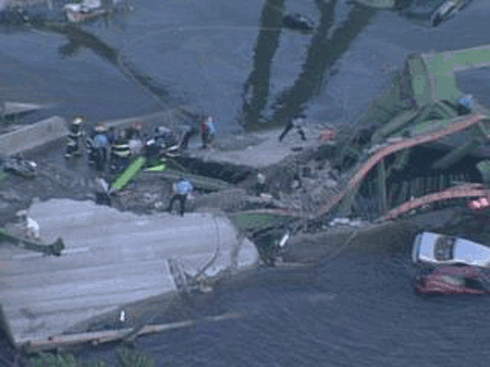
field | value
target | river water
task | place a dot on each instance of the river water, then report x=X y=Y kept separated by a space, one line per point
x=233 y=60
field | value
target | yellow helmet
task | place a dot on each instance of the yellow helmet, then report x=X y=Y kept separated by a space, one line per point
x=100 y=128
x=77 y=120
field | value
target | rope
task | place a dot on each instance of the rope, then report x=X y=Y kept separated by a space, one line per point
x=215 y=256
x=341 y=248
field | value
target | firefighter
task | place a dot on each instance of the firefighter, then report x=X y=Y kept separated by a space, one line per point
x=73 y=143
x=120 y=153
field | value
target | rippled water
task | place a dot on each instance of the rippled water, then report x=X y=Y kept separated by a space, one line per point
x=356 y=310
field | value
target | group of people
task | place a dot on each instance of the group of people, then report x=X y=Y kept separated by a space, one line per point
x=104 y=145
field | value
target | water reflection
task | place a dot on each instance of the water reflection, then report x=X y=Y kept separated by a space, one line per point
x=327 y=45
x=78 y=38
x=267 y=43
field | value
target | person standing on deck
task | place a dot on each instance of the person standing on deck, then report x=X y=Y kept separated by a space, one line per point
x=211 y=129
x=295 y=122
x=465 y=104
x=73 y=143
x=188 y=132
x=180 y=191
x=204 y=133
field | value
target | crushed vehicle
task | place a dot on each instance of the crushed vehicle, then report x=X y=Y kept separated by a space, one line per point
x=436 y=249
x=20 y=166
x=453 y=280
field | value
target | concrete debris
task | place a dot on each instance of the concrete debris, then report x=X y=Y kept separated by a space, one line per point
x=330 y=183
x=346 y=222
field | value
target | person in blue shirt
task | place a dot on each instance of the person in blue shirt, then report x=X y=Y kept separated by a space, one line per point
x=101 y=144
x=465 y=104
x=180 y=191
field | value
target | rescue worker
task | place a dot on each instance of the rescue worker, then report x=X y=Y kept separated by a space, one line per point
x=136 y=143
x=465 y=104
x=101 y=145
x=111 y=135
x=295 y=122
x=120 y=153
x=180 y=191
x=211 y=129
x=151 y=150
x=188 y=132
x=73 y=143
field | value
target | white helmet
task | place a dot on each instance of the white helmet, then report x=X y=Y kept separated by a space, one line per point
x=77 y=121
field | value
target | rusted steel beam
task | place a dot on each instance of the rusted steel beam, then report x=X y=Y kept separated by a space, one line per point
x=461 y=191
x=460 y=123
x=382 y=186
x=63 y=341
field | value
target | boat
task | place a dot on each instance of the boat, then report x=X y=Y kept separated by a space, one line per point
x=438 y=249
x=434 y=12
x=83 y=11
x=454 y=280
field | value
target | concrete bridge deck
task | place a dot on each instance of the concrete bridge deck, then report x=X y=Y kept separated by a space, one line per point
x=111 y=259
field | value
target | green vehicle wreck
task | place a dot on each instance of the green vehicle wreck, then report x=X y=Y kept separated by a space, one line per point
x=422 y=105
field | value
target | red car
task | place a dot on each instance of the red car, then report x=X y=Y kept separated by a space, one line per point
x=454 y=280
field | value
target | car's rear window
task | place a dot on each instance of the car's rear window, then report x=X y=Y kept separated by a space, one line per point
x=444 y=248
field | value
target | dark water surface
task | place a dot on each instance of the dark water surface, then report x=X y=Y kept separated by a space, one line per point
x=233 y=59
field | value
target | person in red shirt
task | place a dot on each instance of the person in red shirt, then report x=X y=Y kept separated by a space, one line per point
x=204 y=133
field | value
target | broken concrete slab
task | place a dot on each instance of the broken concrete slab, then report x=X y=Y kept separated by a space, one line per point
x=33 y=136
x=263 y=150
x=16 y=108
x=111 y=258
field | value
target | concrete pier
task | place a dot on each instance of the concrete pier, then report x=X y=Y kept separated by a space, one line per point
x=111 y=259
